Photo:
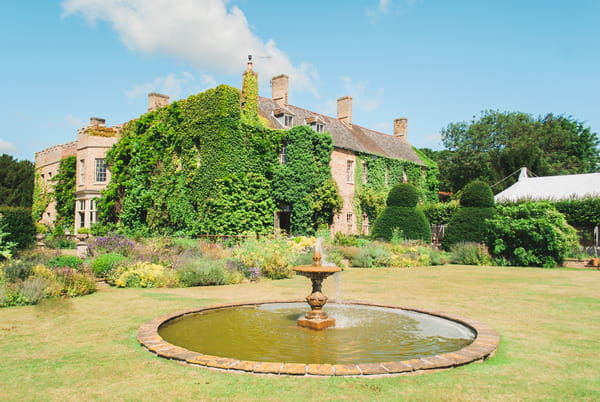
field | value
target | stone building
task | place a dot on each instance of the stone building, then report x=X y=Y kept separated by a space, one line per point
x=349 y=140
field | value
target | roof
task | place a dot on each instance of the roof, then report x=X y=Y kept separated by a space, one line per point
x=552 y=188
x=355 y=138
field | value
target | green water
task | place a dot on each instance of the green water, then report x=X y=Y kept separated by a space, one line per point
x=363 y=334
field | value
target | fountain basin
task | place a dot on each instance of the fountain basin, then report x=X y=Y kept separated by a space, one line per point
x=482 y=344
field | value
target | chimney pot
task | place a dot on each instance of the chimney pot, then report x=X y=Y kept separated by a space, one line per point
x=400 y=128
x=344 y=110
x=156 y=101
x=279 y=88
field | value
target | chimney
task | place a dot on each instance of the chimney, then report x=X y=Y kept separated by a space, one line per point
x=279 y=88
x=344 y=110
x=156 y=101
x=400 y=127
x=97 y=122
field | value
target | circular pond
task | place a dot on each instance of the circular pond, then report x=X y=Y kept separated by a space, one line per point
x=367 y=339
x=363 y=334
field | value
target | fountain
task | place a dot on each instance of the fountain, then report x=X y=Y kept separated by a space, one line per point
x=316 y=318
x=369 y=339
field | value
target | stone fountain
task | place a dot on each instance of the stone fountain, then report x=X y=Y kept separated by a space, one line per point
x=316 y=318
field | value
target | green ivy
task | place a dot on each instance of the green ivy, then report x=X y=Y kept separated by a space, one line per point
x=64 y=191
x=370 y=197
x=206 y=165
x=41 y=197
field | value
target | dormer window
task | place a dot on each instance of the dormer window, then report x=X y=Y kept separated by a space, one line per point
x=316 y=124
x=285 y=117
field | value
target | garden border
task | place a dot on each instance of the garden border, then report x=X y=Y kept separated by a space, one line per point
x=483 y=346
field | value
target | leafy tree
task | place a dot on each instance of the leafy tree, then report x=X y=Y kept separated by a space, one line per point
x=497 y=144
x=16 y=182
x=64 y=191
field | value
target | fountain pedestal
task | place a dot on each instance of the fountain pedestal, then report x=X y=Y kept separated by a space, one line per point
x=316 y=318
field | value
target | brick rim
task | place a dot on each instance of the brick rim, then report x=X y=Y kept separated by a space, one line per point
x=484 y=346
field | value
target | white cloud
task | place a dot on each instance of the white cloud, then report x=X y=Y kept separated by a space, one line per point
x=7 y=147
x=384 y=5
x=207 y=33
x=391 y=7
x=360 y=98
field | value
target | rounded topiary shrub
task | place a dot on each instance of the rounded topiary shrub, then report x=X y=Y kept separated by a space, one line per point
x=468 y=224
x=477 y=194
x=403 y=195
x=411 y=223
x=105 y=263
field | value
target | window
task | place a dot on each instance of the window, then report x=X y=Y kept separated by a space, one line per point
x=283 y=155
x=318 y=127
x=81 y=171
x=350 y=171
x=364 y=172
x=387 y=176
x=288 y=120
x=100 y=170
x=404 y=177
x=365 y=224
x=349 y=222
x=43 y=176
x=82 y=205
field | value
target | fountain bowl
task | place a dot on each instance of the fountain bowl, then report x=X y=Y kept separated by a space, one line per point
x=483 y=345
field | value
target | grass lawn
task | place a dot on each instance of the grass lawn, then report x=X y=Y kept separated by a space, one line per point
x=86 y=348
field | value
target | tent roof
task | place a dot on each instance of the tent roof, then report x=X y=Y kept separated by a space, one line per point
x=552 y=187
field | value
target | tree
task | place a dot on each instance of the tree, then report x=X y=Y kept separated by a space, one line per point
x=16 y=182
x=497 y=144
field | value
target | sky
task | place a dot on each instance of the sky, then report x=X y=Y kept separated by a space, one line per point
x=434 y=62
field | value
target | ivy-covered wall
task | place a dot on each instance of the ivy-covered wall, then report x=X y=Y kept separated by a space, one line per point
x=382 y=173
x=206 y=165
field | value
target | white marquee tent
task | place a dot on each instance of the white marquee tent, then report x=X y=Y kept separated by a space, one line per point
x=552 y=188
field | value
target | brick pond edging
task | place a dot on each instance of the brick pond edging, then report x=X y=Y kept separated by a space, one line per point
x=483 y=346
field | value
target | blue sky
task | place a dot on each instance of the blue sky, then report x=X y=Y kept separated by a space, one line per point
x=432 y=61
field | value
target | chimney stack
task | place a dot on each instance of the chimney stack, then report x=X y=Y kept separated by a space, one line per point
x=400 y=128
x=156 y=101
x=344 y=110
x=279 y=88
x=97 y=122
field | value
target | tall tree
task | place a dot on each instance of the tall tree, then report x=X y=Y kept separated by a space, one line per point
x=16 y=182
x=497 y=144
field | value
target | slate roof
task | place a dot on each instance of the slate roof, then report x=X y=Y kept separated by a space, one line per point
x=356 y=138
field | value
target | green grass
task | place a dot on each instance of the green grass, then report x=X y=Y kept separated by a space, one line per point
x=86 y=348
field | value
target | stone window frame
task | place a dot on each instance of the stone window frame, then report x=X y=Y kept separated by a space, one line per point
x=101 y=170
x=350 y=171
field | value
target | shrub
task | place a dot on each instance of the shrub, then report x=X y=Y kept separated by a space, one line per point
x=69 y=261
x=19 y=225
x=470 y=253
x=477 y=194
x=15 y=270
x=204 y=273
x=403 y=195
x=34 y=289
x=105 y=263
x=467 y=225
x=439 y=213
x=74 y=283
x=272 y=255
x=580 y=213
x=373 y=256
x=342 y=239
x=111 y=243
x=411 y=221
x=144 y=275
x=531 y=234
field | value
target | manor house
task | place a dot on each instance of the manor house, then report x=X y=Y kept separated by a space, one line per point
x=349 y=139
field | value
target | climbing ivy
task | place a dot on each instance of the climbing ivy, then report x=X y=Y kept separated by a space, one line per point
x=64 y=191
x=382 y=173
x=41 y=197
x=207 y=165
